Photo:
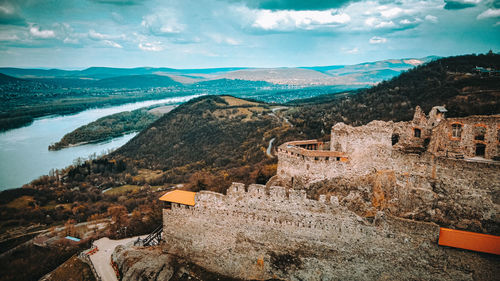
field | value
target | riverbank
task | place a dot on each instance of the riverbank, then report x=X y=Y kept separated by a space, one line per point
x=23 y=109
x=25 y=149
x=112 y=126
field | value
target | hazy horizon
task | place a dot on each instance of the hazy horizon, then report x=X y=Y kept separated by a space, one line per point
x=186 y=68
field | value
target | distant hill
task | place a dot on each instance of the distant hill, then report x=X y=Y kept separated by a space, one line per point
x=360 y=75
x=136 y=81
x=4 y=79
x=9 y=83
x=231 y=83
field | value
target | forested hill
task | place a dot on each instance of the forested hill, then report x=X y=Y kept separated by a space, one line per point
x=210 y=134
x=466 y=85
x=225 y=132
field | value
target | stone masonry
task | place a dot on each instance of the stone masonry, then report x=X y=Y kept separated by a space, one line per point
x=260 y=233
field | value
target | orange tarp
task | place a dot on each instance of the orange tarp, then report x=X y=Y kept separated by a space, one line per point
x=179 y=196
x=469 y=240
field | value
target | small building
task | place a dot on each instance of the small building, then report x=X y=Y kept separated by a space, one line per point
x=177 y=197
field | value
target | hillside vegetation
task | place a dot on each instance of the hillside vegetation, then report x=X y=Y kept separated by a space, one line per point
x=454 y=82
x=111 y=126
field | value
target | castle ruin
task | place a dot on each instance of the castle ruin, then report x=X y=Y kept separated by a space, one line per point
x=420 y=146
x=389 y=186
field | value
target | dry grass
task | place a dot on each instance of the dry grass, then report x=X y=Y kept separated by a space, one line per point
x=232 y=101
x=22 y=202
x=122 y=189
x=128 y=188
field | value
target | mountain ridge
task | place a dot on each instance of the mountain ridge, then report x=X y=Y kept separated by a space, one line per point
x=304 y=76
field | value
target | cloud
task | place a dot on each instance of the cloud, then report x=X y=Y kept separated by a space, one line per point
x=151 y=47
x=9 y=15
x=119 y=2
x=96 y=36
x=112 y=44
x=43 y=34
x=73 y=41
x=220 y=39
x=291 y=20
x=377 y=23
x=431 y=18
x=8 y=37
x=392 y=12
x=490 y=13
x=351 y=51
x=164 y=22
x=377 y=40
x=295 y=5
x=460 y=4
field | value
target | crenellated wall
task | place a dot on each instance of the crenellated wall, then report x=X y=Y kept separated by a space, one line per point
x=255 y=232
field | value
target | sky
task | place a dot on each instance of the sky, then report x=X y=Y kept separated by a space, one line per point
x=76 y=34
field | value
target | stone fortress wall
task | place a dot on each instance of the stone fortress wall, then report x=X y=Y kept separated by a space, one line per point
x=257 y=232
x=393 y=146
x=436 y=177
x=264 y=232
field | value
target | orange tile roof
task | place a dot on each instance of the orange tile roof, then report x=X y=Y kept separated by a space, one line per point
x=179 y=196
x=469 y=240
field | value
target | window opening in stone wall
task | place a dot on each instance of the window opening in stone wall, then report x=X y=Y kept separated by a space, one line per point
x=417 y=132
x=479 y=132
x=456 y=130
x=395 y=138
x=480 y=149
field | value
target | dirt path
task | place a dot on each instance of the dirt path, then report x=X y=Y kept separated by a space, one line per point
x=268 y=151
x=102 y=258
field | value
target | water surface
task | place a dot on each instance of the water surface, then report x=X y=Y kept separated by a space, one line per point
x=24 y=153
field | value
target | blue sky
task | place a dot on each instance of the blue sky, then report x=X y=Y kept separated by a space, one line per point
x=74 y=34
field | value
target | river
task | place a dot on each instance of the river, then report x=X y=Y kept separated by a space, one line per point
x=24 y=154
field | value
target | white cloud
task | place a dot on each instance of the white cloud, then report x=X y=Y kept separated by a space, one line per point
x=377 y=40
x=151 y=47
x=289 y=20
x=94 y=35
x=165 y=22
x=352 y=51
x=8 y=37
x=44 y=34
x=220 y=39
x=7 y=9
x=490 y=13
x=431 y=18
x=391 y=13
x=112 y=44
x=68 y=40
x=376 y=23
